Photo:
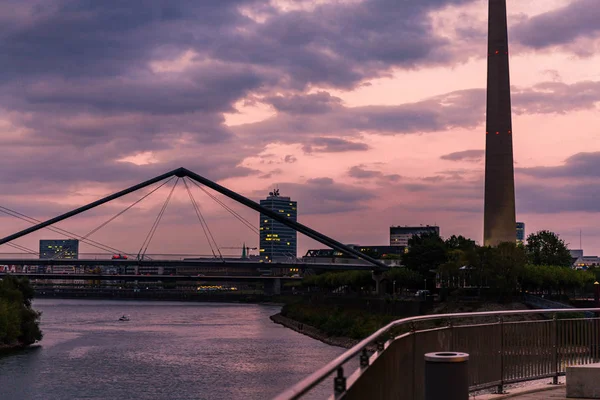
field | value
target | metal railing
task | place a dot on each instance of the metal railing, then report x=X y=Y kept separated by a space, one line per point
x=500 y=352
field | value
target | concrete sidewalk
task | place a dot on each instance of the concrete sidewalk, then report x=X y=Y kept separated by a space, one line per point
x=540 y=392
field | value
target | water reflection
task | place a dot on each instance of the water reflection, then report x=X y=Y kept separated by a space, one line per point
x=166 y=351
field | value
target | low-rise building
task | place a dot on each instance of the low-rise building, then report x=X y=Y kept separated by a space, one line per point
x=400 y=235
x=381 y=253
x=585 y=262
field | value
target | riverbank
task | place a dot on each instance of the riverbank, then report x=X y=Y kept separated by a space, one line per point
x=341 y=327
x=313 y=332
x=9 y=348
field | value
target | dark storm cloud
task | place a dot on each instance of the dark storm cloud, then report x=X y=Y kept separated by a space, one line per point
x=580 y=165
x=120 y=134
x=107 y=38
x=561 y=27
x=316 y=103
x=79 y=78
x=459 y=109
x=556 y=97
x=64 y=166
x=290 y=159
x=466 y=155
x=333 y=145
x=210 y=87
x=361 y=172
x=340 y=44
x=463 y=108
x=358 y=171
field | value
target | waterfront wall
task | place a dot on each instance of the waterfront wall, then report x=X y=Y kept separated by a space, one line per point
x=313 y=332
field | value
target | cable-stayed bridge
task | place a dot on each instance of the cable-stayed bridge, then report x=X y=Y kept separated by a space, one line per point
x=174 y=263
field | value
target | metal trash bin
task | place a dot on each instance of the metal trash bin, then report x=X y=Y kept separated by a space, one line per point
x=446 y=376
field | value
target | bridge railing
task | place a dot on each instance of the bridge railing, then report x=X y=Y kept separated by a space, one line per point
x=503 y=346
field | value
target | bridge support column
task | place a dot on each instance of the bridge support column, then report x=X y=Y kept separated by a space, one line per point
x=378 y=278
x=273 y=286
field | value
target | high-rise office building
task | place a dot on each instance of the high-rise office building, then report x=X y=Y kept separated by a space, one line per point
x=278 y=241
x=499 y=203
x=520 y=232
x=60 y=248
x=399 y=235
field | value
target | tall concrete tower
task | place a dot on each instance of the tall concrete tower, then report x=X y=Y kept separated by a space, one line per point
x=499 y=204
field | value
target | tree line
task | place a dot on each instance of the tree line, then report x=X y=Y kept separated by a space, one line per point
x=543 y=265
x=19 y=322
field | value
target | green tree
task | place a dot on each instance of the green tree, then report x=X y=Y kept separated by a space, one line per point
x=19 y=323
x=505 y=267
x=546 y=248
x=404 y=278
x=354 y=280
x=552 y=280
x=460 y=243
x=426 y=252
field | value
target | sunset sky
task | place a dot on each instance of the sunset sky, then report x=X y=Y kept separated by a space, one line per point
x=368 y=113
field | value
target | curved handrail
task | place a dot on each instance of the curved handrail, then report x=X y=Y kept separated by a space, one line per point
x=306 y=384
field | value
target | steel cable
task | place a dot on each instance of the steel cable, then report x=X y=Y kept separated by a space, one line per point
x=156 y=223
x=226 y=207
x=203 y=223
x=60 y=231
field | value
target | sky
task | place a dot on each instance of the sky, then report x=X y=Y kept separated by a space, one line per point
x=369 y=113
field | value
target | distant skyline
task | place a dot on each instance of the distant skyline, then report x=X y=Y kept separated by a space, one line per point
x=368 y=113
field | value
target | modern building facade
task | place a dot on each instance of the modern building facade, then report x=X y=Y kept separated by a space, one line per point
x=499 y=198
x=584 y=262
x=400 y=235
x=59 y=248
x=278 y=242
x=520 y=232
x=576 y=253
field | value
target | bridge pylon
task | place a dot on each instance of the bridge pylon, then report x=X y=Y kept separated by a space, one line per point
x=182 y=173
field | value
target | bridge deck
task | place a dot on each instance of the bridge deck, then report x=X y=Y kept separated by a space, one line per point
x=187 y=263
x=95 y=277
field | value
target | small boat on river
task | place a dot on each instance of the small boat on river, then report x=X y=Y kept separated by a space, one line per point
x=124 y=318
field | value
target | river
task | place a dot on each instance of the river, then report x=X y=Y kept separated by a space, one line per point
x=167 y=351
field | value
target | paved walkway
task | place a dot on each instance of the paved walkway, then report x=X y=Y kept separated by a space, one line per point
x=531 y=393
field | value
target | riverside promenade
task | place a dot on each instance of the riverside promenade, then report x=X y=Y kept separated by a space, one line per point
x=538 y=392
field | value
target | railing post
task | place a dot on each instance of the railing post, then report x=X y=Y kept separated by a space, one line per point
x=339 y=382
x=364 y=358
x=451 y=342
x=555 y=349
x=500 y=388
x=413 y=332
